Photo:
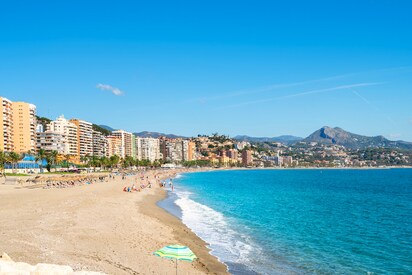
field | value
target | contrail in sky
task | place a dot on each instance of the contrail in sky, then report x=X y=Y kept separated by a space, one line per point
x=373 y=106
x=342 y=87
x=288 y=85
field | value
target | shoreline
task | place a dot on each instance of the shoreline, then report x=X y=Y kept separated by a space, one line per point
x=98 y=227
x=207 y=262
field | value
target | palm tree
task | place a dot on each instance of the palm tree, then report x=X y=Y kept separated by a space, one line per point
x=104 y=162
x=14 y=158
x=51 y=158
x=3 y=161
x=41 y=155
x=60 y=159
x=114 y=161
x=67 y=159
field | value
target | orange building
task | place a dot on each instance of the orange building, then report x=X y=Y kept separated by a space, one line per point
x=24 y=127
x=84 y=137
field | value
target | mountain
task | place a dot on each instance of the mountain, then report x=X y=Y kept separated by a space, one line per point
x=328 y=135
x=108 y=128
x=146 y=134
x=286 y=139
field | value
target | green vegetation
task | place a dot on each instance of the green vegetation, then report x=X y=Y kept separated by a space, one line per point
x=43 y=121
x=105 y=132
x=195 y=163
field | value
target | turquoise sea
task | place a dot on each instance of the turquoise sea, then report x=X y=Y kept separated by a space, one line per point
x=301 y=221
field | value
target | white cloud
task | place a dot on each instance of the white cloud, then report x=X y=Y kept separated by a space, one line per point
x=113 y=90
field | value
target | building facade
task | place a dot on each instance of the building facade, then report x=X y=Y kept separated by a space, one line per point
x=100 y=144
x=114 y=146
x=127 y=146
x=51 y=141
x=24 y=127
x=69 y=131
x=6 y=125
x=148 y=149
x=84 y=137
x=247 y=158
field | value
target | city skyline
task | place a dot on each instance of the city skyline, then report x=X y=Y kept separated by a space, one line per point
x=261 y=70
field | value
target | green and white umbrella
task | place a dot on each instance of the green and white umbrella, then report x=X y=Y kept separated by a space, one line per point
x=176 y=252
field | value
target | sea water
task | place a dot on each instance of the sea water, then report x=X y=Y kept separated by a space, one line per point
x=301 y=221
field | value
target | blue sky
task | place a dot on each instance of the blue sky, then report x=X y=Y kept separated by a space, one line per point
x=262 y=68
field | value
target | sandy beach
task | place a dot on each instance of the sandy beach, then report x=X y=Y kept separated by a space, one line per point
x=97 y=227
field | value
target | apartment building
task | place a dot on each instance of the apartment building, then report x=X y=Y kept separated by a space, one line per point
x=191 y=148
x=6 y=125
x=247 y=157
x=114 y=146
x=127 y=146
x=24 y=127
x=100 y=144
x=232 y=154
x=177 y=150
x=148 y=149
x=84 y=137
x=69 y=132
x=51 y=141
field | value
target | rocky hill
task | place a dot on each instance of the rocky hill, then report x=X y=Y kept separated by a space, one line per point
x=286 y=139
x=328 y=135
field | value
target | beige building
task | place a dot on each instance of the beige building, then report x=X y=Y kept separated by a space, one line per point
x=99 y=144
x=84 y=137
x=24 y=127
x=188 y=150
x=69 y=132
x=127 y=143
x=6 y=125
x=148 y=149
x=114 y=146
x=51 y=141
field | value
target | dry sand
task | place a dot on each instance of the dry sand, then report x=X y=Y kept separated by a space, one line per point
x=97 y=227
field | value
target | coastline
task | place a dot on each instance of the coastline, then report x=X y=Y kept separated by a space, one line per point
x=207 y=262
x=97 y=227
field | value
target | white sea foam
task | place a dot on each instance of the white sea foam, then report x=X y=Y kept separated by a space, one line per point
x=214 y=228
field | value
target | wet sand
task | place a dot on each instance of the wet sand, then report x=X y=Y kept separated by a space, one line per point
x=97 y=227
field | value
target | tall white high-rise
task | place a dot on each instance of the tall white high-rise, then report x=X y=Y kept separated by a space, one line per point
x=69 y=132
x=148 y=149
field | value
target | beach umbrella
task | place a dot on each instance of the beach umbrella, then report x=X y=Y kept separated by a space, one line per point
x=176 y=252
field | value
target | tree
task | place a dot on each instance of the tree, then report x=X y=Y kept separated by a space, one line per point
x=41 y=155
x=67 y=158
x=3 y=161
x=51 y=159
x=104 y=162
x=114 y=161
x=14 y=158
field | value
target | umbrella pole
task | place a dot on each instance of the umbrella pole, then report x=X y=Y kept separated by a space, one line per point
x=176 y=266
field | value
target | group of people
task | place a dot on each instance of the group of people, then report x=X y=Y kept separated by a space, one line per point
x=142 y=186
x=165 y=183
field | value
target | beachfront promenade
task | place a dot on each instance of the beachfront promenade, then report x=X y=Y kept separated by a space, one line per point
x=94 y=225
